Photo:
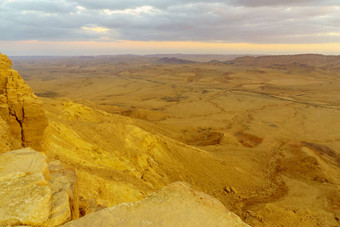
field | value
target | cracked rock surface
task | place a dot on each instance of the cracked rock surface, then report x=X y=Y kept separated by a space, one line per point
x=33 y=192
x=20 y=108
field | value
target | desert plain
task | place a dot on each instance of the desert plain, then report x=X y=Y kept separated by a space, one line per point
x=260 y=134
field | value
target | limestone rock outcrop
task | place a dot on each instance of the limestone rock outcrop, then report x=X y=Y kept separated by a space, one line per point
x=20 y=108
x=33 y=192
x=174 y=205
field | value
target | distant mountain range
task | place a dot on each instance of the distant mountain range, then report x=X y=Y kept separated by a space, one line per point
x=276 y=61
x=305 y=60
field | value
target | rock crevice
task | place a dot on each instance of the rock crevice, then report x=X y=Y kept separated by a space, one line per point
x=20 y=108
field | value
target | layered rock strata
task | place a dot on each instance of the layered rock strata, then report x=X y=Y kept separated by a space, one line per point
x=20 y=108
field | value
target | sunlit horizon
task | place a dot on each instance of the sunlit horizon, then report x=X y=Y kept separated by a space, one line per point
x=74 y=48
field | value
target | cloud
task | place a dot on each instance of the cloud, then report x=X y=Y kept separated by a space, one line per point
x=253 y=21
x=118 y=4
x=53 y=6
x=291 y=3
x=96 y=29
x=133 y=12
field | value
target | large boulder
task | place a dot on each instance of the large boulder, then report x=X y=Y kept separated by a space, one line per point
x=34 y=192
x=174 y=205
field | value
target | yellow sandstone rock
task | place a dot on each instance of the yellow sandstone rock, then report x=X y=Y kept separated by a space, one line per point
x=6 y=138
x=65 y=200
x=24 y=160
x=174 y=205
x=25 y=199
x=20 y=108
x=24 y=192
x=31 y=194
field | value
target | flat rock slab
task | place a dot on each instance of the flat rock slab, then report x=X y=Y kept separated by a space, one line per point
x=31 y=194
x=24 y=199
x=24 y=160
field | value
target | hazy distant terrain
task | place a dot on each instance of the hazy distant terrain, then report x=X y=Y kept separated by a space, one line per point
x=270 y=124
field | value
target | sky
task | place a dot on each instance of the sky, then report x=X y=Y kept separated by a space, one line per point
x=103 y=27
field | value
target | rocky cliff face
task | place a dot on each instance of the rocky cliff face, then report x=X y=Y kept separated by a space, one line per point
x=6 y=138
x=20 y=108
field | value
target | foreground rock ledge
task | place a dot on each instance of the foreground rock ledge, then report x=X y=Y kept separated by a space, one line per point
x=34 y=192
x=175 y=205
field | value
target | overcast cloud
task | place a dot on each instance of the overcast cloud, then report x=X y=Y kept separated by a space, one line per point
x=254 y=21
